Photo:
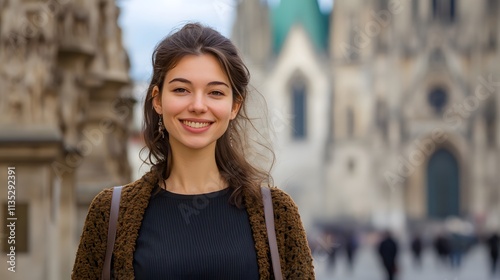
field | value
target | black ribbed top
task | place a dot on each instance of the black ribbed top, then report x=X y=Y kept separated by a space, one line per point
x=195 y=237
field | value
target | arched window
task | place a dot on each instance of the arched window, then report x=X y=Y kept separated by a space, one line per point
x=452 y=10
x=350 y=122
x=492 y=7
x=490 y=116
x=444 y=10
x=383 y=4
x=492 y=40
x=381 y=118
x=299 y=108
x=415 y=9
x=438 y=98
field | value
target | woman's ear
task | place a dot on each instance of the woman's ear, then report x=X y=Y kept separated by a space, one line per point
x=156 y=99
x=236 y=109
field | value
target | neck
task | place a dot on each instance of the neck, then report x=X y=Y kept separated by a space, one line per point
x=194 y=172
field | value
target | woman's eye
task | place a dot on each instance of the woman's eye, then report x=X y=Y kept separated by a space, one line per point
x=217 y=93
x=180 y=90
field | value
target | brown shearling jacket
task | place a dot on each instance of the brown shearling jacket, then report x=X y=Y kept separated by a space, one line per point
x=295 y=255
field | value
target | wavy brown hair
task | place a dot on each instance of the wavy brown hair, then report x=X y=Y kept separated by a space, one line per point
x=232 y=157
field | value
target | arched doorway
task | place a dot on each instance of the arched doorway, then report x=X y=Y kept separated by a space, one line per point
x=443 y=186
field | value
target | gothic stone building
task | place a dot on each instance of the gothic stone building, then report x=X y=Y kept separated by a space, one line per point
x=65 y=105
x=383 y=111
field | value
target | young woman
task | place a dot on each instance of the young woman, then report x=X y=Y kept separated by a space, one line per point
x=198 y=214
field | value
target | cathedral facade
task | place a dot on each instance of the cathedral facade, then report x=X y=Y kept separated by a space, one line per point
x=384 y=111
x=66 y=106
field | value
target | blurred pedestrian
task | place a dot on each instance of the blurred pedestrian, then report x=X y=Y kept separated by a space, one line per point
x=458 y=247
x=416 y=249
x=351 y=245
x=442 y=247
x=330 y=247
x=388 y=251
x=493 y=243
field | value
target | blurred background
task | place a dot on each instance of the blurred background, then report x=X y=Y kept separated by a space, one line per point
x=384 y=116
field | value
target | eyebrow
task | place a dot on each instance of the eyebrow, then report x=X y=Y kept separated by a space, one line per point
x=182 y=80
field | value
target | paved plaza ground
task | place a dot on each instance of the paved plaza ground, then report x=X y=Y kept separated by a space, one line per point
x=475 y=266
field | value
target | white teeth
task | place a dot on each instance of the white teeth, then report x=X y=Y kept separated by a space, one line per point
x=196 y=124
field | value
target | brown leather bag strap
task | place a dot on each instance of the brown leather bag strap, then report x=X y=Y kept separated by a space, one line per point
x=271 y=232
x=113 y=220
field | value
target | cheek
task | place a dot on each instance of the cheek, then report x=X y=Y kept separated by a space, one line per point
x=225 y=112
x=171 y=106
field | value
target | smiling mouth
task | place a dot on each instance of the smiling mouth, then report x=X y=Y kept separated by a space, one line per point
x=196 y=124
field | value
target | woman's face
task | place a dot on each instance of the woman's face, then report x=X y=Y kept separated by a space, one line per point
x=196 y=102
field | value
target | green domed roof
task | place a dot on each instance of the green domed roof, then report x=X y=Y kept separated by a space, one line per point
x=304 y=12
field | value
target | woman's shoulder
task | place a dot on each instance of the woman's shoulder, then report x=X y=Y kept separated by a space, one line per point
x=282 y=200
x=102 y=199
x=130 y=192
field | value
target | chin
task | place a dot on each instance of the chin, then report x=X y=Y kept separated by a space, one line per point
x=198 y=146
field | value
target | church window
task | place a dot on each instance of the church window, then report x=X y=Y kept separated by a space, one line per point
x=492 y=40
x=492 y=7
x=444 y=10
x=452 y=10
x=414 y=9
x=384 y=5
x=350 y=122
x=435 y=8
x=382 y=118
x=490 y=116
x=438 y=99
x=299 y=109
x=403 y=130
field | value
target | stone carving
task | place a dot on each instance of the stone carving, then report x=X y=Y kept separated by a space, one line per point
x=27 y=53
x=16 y=102
x=74 y=24
x=115 y=54
x=12 y=74
x=117 y=148
x=36 y=80
x=71 y=103
x=48 y=79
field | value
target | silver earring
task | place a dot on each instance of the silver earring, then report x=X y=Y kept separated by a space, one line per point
x=231 y=134
x=160 y=127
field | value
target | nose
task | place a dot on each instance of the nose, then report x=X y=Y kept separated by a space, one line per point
x=198 y=104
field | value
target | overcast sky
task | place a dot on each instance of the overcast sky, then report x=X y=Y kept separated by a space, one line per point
x=146 y=22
